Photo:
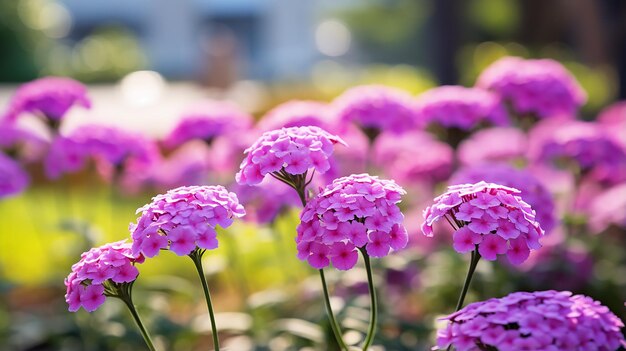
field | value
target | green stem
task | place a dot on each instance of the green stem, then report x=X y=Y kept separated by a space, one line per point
x=468 y=279
x=374 y=305
x=144 y=332
x=331 y=317
x=196 y=257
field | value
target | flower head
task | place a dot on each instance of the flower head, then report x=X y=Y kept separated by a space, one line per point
x=532 y=190
x=111 y=148
x=266 y=201
x=413 y=157
x=540 y=87
x=207 y=121
x=461 y=107
x=298 y=113
x=354 y=212
x=13 y=179
x=25 y=144
x=288 y=151
x=608 y=208
x=87 y=285
x=183 y=219
x=377 y=107
x=613 y=121
x=583 y=145
x=541 y=320
x=490 y=217
x=493 y=145
x=50 y=97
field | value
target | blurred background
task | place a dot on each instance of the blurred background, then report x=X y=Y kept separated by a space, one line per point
x=146 y=61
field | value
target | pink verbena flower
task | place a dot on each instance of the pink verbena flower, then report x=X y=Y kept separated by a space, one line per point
x=111 y=148
x=541 y=320
x=613 y=120
x=461 y=107
x=287 y=152
x=354 y=212
x=493 y=145
x=50 y=97
x=13 y=179
x=413 y=157
x=543 y=87
x=492 y=217
x=377 y=107
x=579 y=146
x=532 y=190
x=88 y=284
x=207 y=121
x=183 y=219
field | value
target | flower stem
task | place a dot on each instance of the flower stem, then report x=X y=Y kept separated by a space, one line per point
x=468 y=279
x=196 y=257
x=142 y=328
x=331 y=317
x=374 y=305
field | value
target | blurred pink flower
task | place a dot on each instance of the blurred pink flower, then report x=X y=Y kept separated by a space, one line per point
x=114 y=151
x=608 y=208
x=183 y=219
x=613 y=120
x=353 y=212
x=581 y=145
x=461 y=107
x=21 y=142
x=207 y=121
x=377 y=107
x=49 y=97
x=266 y=201
x=299 y=113
x=493 y=145
x=412 y=157
x=87 y=284
x=541 y=320
x=13 y=179
x=543 y=88
x=487 y=209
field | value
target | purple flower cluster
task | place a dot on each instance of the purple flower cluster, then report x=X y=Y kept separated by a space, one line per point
x=613 y=121
x=543 y=320
x=110 y=147
x=377 y=107
x=207 y=121
x=24 y=143
x=183 y=219
x=493 y=145
x=487 y=216
x=264 y=202
x=293 y=150
x=543 y=87
x=50 y=97
x=461 y=107
x=357 y=211
x=608 y=208
x=584 y=145
x=86 y=284
x=13 y=179
x=532 y=190
x=298 y=113
x=413 y=157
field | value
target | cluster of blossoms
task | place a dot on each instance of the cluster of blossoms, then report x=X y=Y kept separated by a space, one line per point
x=22 y=143
x=50 y=97
x=584 y=144
x=206 y=121
x=265 y=201
x=413 y=157
x=613 y=120
x=298 y=113
x=608 y=208
x=532 y=190
x=357 y=211
x=496 y=144
x=461 y=107
x=293 y=150
x=542 y=320
x=542 y=87
x=377 y=107
x=490 y=217
x=183 y=219
x=111 y=148
x=13 y=179
x=86 y=285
